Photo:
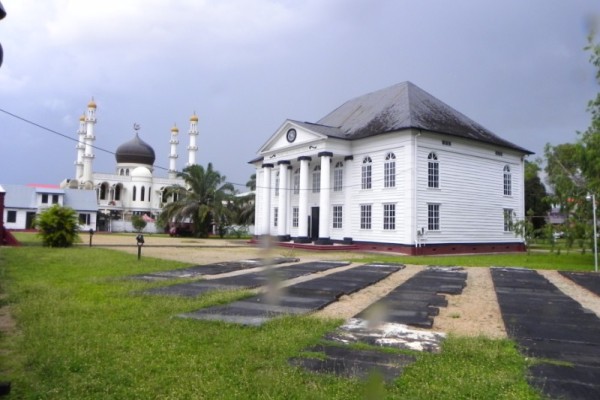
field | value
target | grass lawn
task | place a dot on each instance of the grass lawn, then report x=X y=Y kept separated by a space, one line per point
x=84 y=332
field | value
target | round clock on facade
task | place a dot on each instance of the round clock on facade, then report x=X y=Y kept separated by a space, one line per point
x=291 y=135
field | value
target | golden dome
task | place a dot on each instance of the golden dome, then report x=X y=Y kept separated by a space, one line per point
x=92 y=103
x=194 y=118
x=82 y=118
x=174 y=128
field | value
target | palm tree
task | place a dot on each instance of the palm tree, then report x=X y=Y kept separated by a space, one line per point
x=251 y=184
x=203 y=201
x=245 y=203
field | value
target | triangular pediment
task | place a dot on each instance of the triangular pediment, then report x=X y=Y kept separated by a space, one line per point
x=294 y=133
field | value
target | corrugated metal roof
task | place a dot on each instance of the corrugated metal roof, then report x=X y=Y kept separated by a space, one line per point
x=82 y=200
x=402 y=106
x=19 y=196
x=24 y=197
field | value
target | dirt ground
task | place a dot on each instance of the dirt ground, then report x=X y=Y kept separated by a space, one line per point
x=474 y=312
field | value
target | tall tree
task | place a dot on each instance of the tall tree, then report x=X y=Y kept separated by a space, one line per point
x=203 y=201
x=536 y=198
x=589 y=141
x=574 y=169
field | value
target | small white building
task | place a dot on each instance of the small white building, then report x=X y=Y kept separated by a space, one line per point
x=397 y=170
x=133 y=188
x=23 y=202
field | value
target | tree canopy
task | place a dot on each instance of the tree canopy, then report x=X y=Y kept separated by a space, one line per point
x=204 y=201
x=573 y=169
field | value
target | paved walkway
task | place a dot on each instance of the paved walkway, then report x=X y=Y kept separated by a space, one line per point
x=551 y=326
x=300 y=298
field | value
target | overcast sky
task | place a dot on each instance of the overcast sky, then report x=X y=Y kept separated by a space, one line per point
x=245 y=66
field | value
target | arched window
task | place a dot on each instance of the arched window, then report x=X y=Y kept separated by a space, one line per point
x=121 y=172
x=316 y=181
x=507 y=181
x=134 y=193
x=433 y=171
x=127 y=172
x=143 y=193
x=338 y=177
x=277 y=184
x=366 y=173
x=103 y=191
x=118 y=192
x=389 y=171
x=149 y=189
x=297 y=181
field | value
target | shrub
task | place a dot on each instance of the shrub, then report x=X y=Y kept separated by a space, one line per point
x=58 y=226
x=138 y=223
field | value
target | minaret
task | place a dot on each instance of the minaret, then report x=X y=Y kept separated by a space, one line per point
x=88 y=156
x=80 y=148
x=173 y=156
x=193 y=148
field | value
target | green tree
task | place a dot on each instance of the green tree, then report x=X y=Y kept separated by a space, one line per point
x=536 y=198
x=589 y=141
x=138 y=223
x=251 y=184
x=244 y=203
x=58 y=226
x=204 y=200
x=573 y=169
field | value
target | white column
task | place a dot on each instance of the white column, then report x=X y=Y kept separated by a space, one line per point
x=282 y=228
x=266 y=204
x=324 y=198
x=193 y=147
x=303 y=201
x=173 y=155
x=348 y=193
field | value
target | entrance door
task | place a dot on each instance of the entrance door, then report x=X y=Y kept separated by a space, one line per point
x=29 y=217
x=314 y=223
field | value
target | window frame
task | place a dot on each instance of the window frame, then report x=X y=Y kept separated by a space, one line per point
x=316 y=179
x=84 y=218
x=337 y=216
x=389 y=216
x=508 y=220
x=338 y=177
x=296 y=181
x=507 y=180
x=389 y=170
x=9 y=214
x=295 y=216
x=366 y=216
x=366 y=175
x=433 y=171
x=433 y=217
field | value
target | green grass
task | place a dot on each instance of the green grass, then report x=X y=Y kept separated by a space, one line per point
x=535 y=260
x=83 y=332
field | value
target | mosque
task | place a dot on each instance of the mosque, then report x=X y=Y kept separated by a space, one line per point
x=133 y=188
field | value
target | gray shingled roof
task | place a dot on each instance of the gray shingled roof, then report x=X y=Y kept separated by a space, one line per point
x=401 y=106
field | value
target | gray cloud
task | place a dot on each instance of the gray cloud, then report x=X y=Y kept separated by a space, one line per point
x=244 y=66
